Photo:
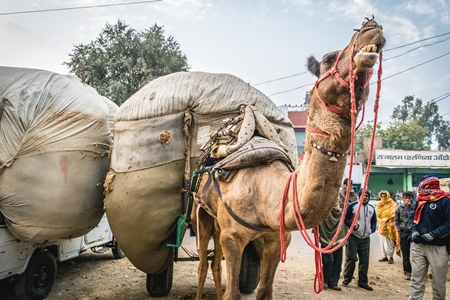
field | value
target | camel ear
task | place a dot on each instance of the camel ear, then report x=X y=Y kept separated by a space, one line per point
x=313 y=66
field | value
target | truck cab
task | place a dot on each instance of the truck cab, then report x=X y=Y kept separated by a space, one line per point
x=32 y=266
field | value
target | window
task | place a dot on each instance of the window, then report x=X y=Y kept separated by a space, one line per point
x=300 y=137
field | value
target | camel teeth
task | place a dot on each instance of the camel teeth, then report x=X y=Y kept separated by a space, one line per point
x=369 y=48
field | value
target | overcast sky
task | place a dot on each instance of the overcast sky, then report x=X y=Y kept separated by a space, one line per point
x=256 y=40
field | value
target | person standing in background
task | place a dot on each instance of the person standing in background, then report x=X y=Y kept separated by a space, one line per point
x=332 y=262
x=358 y=243
x=343 y=193
x=430 y=233
x=389 y=238
x=402 y=214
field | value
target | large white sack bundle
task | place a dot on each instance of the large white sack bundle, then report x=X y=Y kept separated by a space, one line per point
x=144 y=186
x=55 y=136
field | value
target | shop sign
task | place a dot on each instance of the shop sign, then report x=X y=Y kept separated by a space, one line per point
x=404 y=158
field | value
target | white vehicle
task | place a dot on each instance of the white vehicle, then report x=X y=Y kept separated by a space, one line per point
x=32 y=266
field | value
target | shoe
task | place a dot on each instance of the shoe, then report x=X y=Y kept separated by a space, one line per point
x=325 y=286
x=345 y=282
x=335 y=287
x=383 y=259
x=391 y=261
x=365 y=286
x=408 y=276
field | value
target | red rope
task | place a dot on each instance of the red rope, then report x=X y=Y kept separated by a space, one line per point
x=314 y=130
x=318 y=280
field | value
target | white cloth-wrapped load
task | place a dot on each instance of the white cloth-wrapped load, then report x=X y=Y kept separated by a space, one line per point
x=144 y=186
x=55 y=135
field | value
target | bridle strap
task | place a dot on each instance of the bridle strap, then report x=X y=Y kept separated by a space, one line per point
x=334 y=72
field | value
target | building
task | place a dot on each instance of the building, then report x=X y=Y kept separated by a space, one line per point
x=400 y=170
x=392 y=170
x=298 y=116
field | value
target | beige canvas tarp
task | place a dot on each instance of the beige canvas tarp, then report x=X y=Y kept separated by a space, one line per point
x=144 y=185
x=55 y=134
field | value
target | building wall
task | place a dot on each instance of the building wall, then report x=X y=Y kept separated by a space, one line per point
x=403 y=179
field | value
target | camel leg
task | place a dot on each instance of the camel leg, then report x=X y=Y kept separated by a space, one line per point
x=269 y=263
x=232 y=246
x=216 y=264
x=205 y=227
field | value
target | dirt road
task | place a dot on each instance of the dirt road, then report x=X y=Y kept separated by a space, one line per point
x=99 y=277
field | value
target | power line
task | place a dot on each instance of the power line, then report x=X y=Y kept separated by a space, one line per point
x=398 y=73
x=74 y=8
x=425 y=39
x=393 y=75
x=299 y=87
x=402 y=46
x=413 y=49
x=434 y=100
x=280 y=78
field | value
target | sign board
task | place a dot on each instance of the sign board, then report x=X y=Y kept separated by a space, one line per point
x=403 y=158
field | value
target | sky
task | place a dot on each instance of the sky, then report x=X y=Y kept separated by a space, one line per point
x=265 y=43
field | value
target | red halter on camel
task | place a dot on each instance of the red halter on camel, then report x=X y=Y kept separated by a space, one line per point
x=319 y=281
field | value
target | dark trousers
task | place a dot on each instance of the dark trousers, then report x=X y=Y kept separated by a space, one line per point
x=332 y=266
x=357 y=249
x=405 y=245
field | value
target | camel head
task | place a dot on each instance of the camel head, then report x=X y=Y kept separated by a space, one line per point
x=333 y=73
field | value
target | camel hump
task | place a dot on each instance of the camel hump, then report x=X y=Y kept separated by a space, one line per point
x=257 y=151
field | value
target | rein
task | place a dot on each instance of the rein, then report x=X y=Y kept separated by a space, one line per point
x=319 y=280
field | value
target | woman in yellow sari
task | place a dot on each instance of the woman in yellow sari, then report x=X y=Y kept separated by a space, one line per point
x=389 y=237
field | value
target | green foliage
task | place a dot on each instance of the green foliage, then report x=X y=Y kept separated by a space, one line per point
x=426 y=116
x=405 y=136
x=122 y=60
x=443 y=134
x=363 y=133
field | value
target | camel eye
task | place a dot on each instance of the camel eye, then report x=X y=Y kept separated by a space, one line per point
x=329 y=60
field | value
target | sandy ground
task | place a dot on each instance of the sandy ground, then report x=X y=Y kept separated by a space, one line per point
x=94 y=276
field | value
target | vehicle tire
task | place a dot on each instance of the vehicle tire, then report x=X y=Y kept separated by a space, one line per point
x=38 y=278
x=159 y=285
x=249 y=275
x=116 y=251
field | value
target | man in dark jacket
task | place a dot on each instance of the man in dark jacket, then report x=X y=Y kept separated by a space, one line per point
x=401 y=218
x=430 y=233
x=358 y=243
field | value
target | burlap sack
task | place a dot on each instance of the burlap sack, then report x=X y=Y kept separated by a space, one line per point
x=143 y=199
x=55 y=135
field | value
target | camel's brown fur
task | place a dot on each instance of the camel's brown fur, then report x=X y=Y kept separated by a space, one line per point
x=255 y=193
x=204 y=230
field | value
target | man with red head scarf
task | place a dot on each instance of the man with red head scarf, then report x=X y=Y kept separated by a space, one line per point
x=430 y=233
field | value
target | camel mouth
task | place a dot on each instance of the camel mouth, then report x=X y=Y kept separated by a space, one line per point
x=369 y=49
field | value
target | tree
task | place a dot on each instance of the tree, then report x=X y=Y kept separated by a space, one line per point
x=122 y=60
x=426 y=116
x=443 y=134
x=405 y=136
x=365 y=132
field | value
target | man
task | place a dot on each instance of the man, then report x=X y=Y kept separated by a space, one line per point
x=430 y=233
x=332 y=262
x=389 y=238
x=402 y=213
x=343 y=193
x=358 y=243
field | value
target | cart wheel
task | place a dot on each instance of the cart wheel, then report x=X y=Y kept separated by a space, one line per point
x=116 y=251
x=249 y=275
x=39 y=277
x=159 y=285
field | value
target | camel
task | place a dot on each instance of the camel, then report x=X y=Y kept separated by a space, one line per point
x=255 y=193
